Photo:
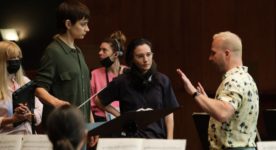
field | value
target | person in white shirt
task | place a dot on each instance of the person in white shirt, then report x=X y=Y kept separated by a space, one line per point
x=11 y=79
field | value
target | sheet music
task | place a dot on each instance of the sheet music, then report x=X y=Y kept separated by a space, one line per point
x=267 y=145
x=36 y=142
x=140 y=144
x=163 y=144
x=120 y=144
x=10 y=142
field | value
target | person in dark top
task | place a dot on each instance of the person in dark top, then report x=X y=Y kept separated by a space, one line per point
x=68 y=131
x=63 y=76
x=141 y=87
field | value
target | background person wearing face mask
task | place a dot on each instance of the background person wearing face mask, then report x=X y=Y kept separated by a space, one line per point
x=142 y=86
x=111 y=50
x=11 y=79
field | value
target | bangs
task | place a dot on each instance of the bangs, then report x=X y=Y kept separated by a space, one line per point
x=81 y=14
x=13 y=51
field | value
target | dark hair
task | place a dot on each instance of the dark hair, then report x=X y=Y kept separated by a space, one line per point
x=72 y=10
x=132 y=45
x=117 y=41
x=65 y=128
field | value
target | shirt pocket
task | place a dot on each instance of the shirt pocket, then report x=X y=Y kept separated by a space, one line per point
x=66 y=76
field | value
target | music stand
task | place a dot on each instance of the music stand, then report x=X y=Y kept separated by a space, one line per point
x=25 y=94
x=201 y=120
x=270 y=123
x=130 y=122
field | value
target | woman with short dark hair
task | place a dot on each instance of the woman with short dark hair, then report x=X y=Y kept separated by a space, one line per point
x=63 y=76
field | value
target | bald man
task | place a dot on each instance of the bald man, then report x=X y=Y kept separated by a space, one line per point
x=235 y=108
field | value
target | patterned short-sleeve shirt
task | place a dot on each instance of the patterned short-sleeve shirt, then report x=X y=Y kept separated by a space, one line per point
x=239 y=89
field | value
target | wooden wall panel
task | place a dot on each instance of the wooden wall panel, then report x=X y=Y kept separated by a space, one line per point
x=181 y=32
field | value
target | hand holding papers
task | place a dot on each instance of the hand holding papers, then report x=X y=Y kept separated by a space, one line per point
x=25 y=95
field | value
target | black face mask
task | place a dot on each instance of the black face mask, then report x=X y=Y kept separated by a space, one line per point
x=13 y=66
x=106 y=62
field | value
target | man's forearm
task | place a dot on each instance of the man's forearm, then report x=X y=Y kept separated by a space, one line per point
x=46 y=97
x=220 y=110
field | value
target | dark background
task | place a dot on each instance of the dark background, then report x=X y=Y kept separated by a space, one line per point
x=181 y=32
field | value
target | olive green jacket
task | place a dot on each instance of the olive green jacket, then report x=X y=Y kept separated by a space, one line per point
x=64 y=74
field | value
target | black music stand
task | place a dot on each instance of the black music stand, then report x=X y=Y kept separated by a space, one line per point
x=270 y=123
x=130 y=122
x=25 y=94
x=201 y=120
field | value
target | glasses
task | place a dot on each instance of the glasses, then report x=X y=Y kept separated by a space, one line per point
x=142 y=56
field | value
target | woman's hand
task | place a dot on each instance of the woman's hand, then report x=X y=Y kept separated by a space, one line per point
x=22 y=112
